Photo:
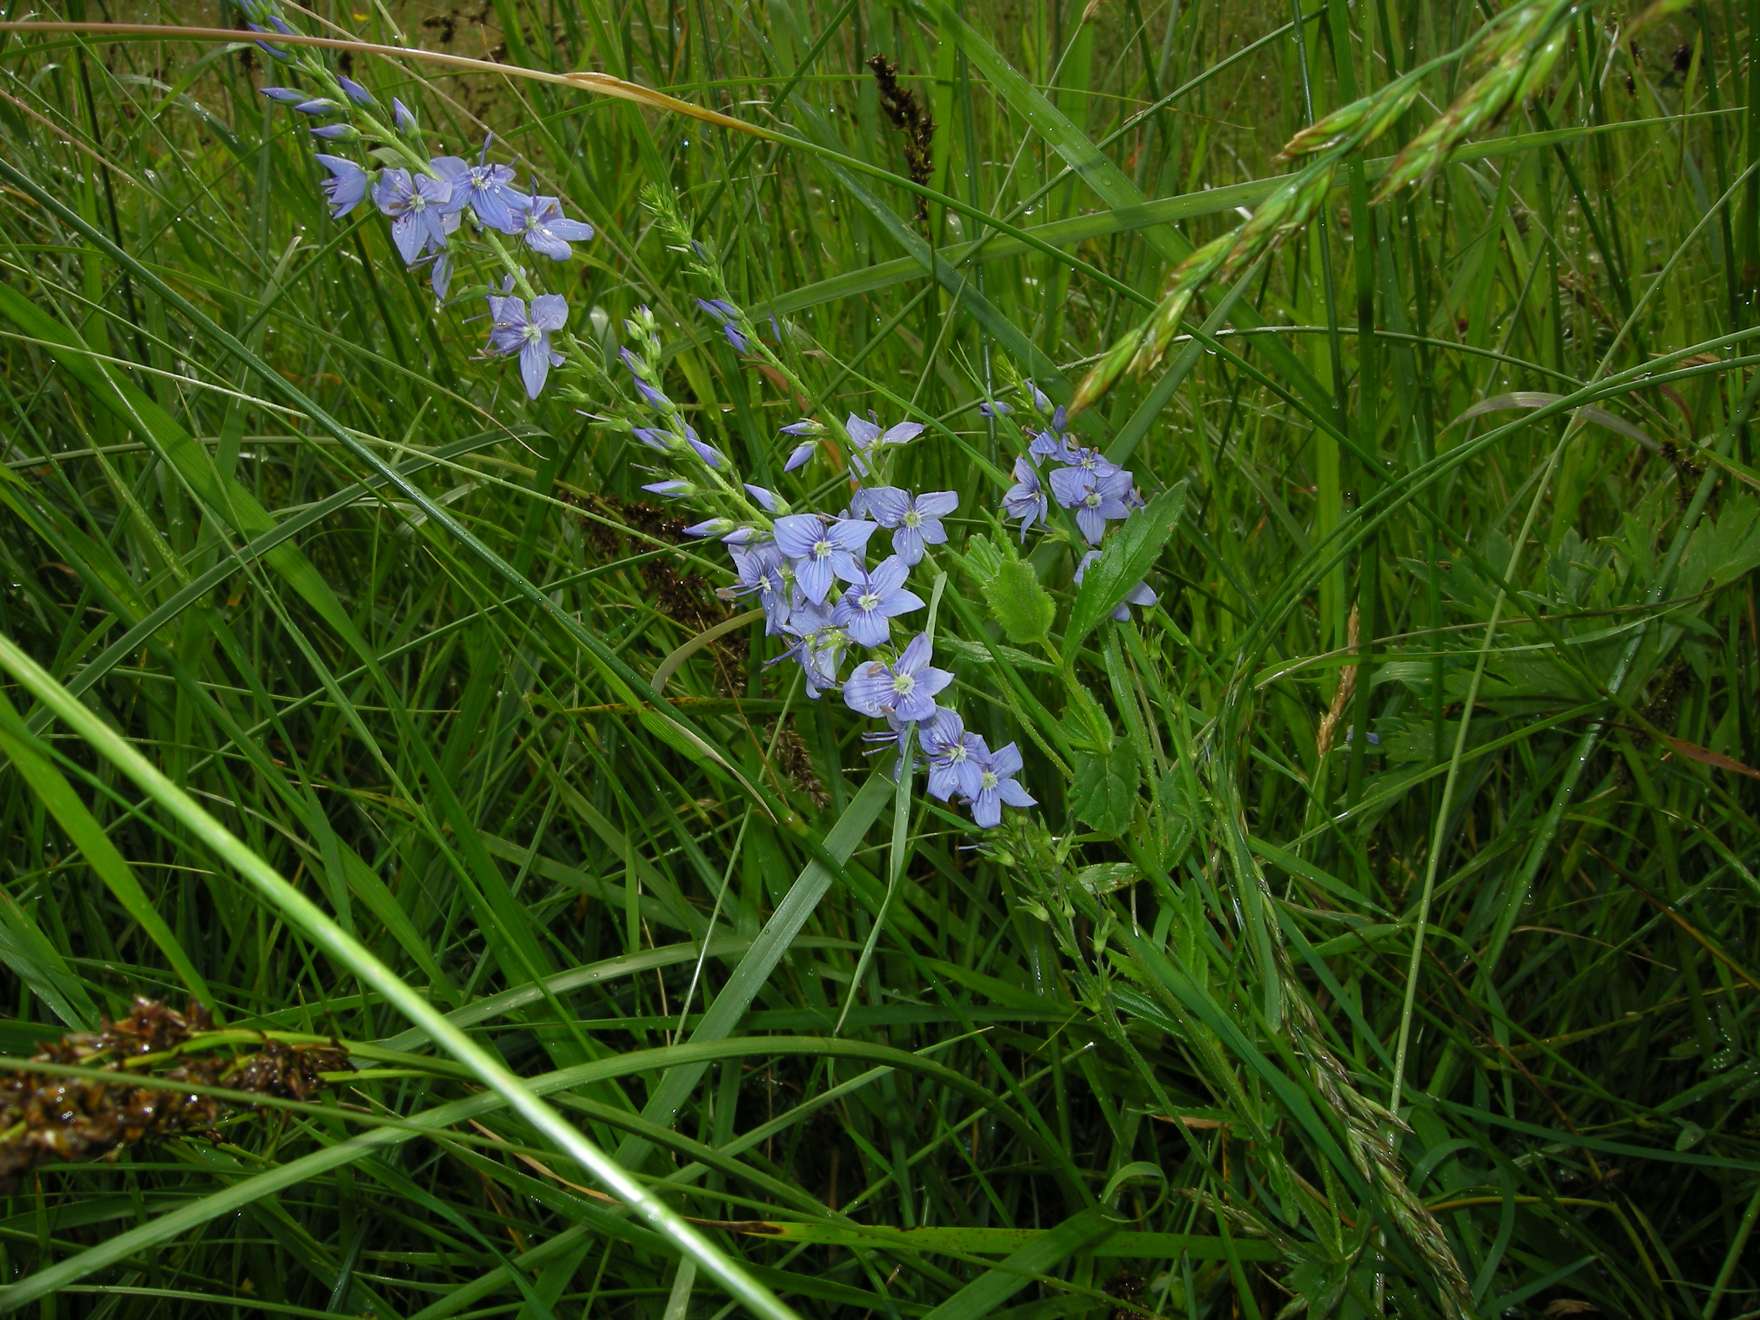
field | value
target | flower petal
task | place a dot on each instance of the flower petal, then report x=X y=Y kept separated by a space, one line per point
x=868 y=690
x=549 y=311
x=886 y=505
x=797 y=533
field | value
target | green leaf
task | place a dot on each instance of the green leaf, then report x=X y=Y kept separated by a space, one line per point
x=1023 y=607
x=1105 y=791
x=1129 y=554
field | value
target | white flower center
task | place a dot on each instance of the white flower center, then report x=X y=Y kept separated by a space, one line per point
x=956 y=752
x=913 y=519
x=988 y=780
x=822 y=549
x=867 y=601
x=532 y=334
x=417 y=202
x=903 y=683
x=1092 y=499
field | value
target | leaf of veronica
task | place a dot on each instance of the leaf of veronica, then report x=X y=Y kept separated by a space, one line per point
x=1128 y=555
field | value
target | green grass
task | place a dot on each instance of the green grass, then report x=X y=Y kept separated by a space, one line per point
x=326 y=684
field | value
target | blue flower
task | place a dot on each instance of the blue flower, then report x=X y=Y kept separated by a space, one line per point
x=761 y=568
x=645 y=387
x=1141 y=594
x=866 y=435
x=819 y=647
x=994 y=408
x=727 y=315
x=905 y=688
x=1026 y=498
x=335 y=132
x=487 y=189
x=318 y=105
x=1046 y=444
x=417 y=207
x=547 y=232
x=1087 y=460
x=346 y=186
x=670 y=490
x=514 y=331
x=997 y=786
x=953 y=755
x=1096 y=498
x=821 y=548
x=915 y=519
x=401 y=116
x=354 y=91
x=799 y=454
x=872 y=598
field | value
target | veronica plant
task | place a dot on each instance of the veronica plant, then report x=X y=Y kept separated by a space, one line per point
x=843 y=586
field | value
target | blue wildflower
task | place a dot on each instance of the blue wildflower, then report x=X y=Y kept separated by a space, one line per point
x=767 y=500
x=727 y=315
x=318 y=105
x=645 y=387
x=1096 y=498
x=819 y=647
x=346 y=186
x=953 y=755
x=515 y=331
x=821 y=548
x=997 y=786
x=1046 y=444
x=335 y=132
x=1141 y=594
x=726 y=529
x=285 y=95
x=547 y=231
x=670 y=490
x=994 y=408
x=873 y=598
x=354 y=91
x=401 y=116
x=866 y=435
x=487 y=189
x=761 y=568
x=1025 y=499
x=915 y=519
x=905 y=688
x=417 y=207
x=798 y=456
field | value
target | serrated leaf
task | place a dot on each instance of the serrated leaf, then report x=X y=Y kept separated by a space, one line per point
x=1023 y=607
x=983 y=558
x=1104 y=794
x=1128 y=556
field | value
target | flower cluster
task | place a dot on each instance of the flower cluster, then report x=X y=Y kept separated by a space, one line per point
x=1093 y=489
x=820 y=577
x=435 y=203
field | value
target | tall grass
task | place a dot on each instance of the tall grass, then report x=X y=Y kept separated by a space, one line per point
x=356 y=702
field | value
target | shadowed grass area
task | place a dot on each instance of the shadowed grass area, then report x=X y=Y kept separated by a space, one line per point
x=1395 y=955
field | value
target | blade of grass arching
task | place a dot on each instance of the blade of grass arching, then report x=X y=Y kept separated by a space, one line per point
x=753 y=970
x=303 y=913
x=1024 y=1267
x=20 y=749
